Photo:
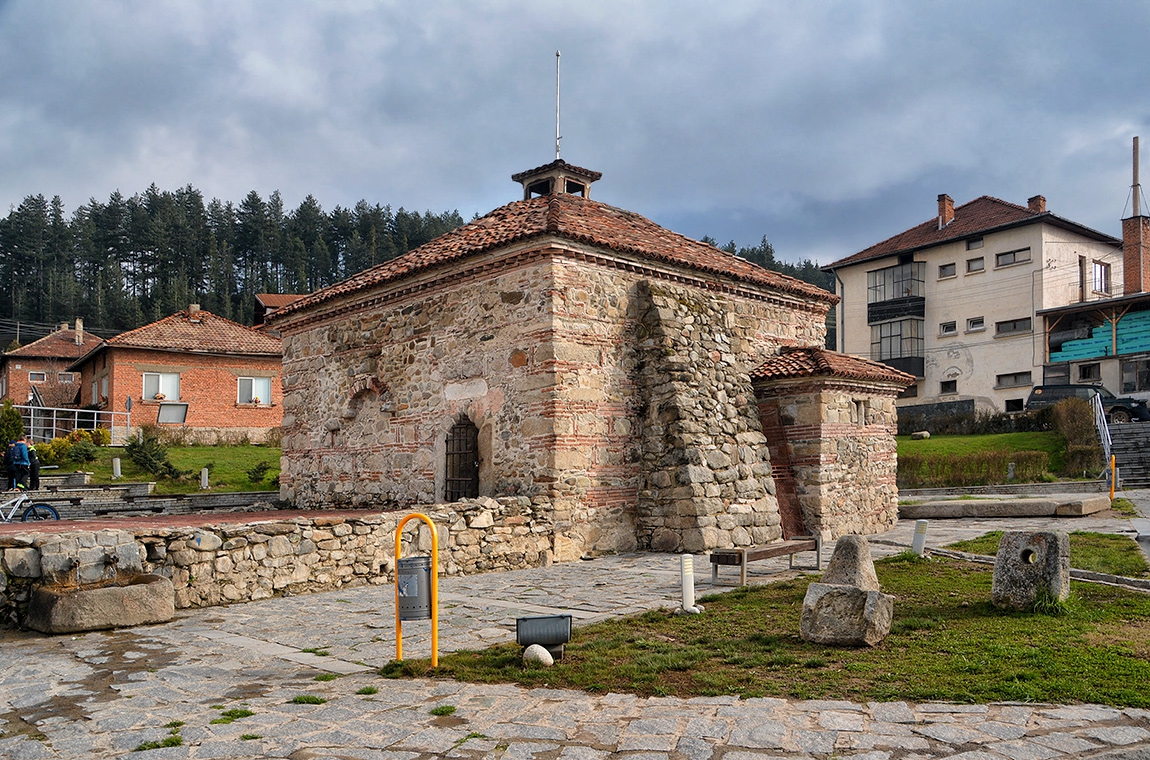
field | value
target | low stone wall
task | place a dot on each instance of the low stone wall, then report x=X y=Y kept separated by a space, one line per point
x=224 y=563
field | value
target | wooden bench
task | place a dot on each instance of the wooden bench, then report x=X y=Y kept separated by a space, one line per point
x=739 y=557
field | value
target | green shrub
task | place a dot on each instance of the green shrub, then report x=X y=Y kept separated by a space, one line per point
x=149 y=454
x=82 y=451
x=100 y=436
x=11 y=424
x=54 y=451
x=258 y=472
x=981 y=468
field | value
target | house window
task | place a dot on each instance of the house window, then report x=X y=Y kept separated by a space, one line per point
x=162 y=385
x=1089 y=372
x=172 y=414
x=1012 y=380
x=1015 y=405
x=37 y=377
x=975 y=265
x=948 y=328
x=1012 y=326
x=895 y=340
x=95 y=396
x=103 y=388
x=900 y=281
x=1101 y=277
x=66 y=377
x=1008 y=258
x=254 y=390
x=948 y=386
x=973 y=244
x=947 y=270
x=1135 y=375
x=975 y=324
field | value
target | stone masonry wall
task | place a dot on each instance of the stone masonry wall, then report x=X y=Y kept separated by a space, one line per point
x=708 y=472
x=221 y=564
x=843 y=465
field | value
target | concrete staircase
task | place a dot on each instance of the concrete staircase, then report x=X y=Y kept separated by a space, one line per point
x=1130 y=445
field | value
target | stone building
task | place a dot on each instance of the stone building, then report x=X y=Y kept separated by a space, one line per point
x=562 y=350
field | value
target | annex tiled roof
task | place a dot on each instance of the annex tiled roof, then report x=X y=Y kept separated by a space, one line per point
x=276 y=300
x=821 y=362
x=979 y=216
x=202 y=332
x=566 y=216
x=60 y=344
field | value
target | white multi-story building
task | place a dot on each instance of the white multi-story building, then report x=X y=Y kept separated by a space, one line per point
x=956 y=300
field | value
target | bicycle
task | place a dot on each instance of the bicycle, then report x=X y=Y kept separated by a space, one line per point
x=31 y=512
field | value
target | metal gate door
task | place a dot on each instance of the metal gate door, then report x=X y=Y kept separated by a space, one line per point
x=462 y=480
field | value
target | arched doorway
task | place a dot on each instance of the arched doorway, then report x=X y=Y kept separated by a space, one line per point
x=462 y=470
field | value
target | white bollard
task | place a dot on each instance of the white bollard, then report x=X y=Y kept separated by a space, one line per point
x=918 y=546
x=116 y=468
x=687 y=563
x=204 y=479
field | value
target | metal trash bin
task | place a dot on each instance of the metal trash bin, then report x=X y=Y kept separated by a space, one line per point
x=549 y=631
x=413 y=584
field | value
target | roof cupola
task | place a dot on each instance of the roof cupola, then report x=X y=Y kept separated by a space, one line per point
x=556 y=177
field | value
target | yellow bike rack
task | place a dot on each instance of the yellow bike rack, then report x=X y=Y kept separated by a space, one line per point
x=434 y=596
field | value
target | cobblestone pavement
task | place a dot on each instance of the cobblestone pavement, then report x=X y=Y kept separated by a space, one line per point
x=101 y=695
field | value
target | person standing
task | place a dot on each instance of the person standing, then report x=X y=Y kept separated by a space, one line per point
x=20 y=462
x=33 y=468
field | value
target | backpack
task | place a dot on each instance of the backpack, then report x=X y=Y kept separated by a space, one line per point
x=20 y=454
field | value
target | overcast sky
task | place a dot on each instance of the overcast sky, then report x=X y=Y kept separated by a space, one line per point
x=826 y=126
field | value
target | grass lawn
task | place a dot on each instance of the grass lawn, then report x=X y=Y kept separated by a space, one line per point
x=951 y=445
x=227 y=468
x=947 y=643
x=1099 y=552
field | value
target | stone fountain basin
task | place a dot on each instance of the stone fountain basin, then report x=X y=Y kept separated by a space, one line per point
x=134 y=600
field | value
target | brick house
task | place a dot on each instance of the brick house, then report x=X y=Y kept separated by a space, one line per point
x=39 y=373
x=195 y=372
x=565 y=352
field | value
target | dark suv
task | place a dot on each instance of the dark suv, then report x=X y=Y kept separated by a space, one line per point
x=1117 y=409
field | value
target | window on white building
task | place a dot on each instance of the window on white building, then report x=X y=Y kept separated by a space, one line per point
x=1088 y=372
x=973 y=243
x=1020 y=256
x=254 y=390
x=975 y=324
x=1012 y=380
x=1012 y=326
x=1101 y=277
x=948 y=328
x=948 y=386
x=975 y=265
x=162 y=385
x=947 y=270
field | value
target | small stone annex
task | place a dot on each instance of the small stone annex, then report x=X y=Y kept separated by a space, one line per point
x=652 y=391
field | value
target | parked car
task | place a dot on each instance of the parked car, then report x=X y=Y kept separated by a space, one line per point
x=1118 y=409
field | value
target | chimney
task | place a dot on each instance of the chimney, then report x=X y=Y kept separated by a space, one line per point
x=1037 y=204
x=79 y=331
x=193 y=312
x=945 y=210
x=1136 y=242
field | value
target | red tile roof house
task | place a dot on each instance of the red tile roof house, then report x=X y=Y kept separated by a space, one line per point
x=39 y=372
x=193 y=373
x=592 y=367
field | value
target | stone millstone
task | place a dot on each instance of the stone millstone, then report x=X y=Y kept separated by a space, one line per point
x=1029 y=563
x=143 y=599
x=845 y=615
x=851 y=564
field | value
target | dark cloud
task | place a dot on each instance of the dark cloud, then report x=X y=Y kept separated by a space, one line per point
x=825 y=126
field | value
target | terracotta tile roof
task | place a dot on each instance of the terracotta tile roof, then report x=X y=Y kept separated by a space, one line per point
x=821 y=362
x=979 y=216
x=559 y=164
x=203 y=333
x=574 y=218
x=60 y=344
x=276 y=300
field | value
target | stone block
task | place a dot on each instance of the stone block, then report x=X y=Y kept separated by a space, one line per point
x=851 y=565
x=1029 y=564
x=845 y=615
x=139 y=600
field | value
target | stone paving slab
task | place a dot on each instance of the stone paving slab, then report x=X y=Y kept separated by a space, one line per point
x=102 y=694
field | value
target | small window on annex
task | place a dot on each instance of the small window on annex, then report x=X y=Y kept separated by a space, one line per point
x=1020 y=256
x=976 y=324
x=1015 y=405
x=948 y=328
x=975 y=265
x=948 y=386
x=1089 y=372
x=1056 y=374
x=254 y=390
x=1136 y=375
x=1012 y=380
x=162 y=385
x=947 y=270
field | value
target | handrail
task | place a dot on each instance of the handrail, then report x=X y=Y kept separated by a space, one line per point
x=43 y=423
x=1102 y=426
